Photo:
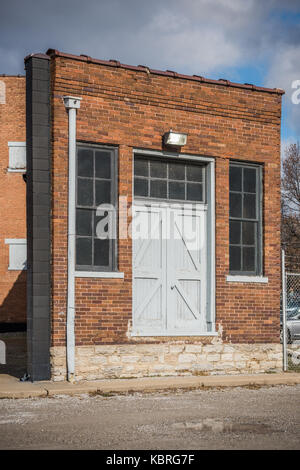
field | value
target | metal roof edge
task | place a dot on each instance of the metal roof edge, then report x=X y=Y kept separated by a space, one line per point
x=168 y=73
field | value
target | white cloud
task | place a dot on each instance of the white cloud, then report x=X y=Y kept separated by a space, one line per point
x=283 y=71
x=214 y=38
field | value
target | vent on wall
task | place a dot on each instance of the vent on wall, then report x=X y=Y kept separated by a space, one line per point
x=17 y=254
x=17 y=156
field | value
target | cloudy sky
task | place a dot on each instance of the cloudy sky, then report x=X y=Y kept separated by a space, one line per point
x=251 y=41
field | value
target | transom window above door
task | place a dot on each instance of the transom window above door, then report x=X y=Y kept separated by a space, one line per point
x=172 y=180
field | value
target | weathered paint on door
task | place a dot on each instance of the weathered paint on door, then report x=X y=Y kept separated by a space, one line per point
x=169 y=263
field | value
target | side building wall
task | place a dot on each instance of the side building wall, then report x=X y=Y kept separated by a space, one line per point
x=12 y=203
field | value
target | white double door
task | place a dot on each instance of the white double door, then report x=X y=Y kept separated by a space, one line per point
x=169 y=269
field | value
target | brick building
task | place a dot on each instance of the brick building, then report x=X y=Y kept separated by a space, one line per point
x=179 y=271
x=12 y=204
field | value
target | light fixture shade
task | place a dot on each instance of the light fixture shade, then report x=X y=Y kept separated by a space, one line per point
x=175 y=138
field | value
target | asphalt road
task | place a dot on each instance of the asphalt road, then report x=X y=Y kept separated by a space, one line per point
x=238 y=418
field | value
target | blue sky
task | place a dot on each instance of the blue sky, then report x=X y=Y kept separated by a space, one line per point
x=250 y=41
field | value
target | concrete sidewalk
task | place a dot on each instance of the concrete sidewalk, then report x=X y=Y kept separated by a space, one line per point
x=11 y=387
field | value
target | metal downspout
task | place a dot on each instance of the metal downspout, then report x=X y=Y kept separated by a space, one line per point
x=72 y=104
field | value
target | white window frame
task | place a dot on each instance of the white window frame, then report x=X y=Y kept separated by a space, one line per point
x=12 y=242
x=11 y=146
x=211 y=269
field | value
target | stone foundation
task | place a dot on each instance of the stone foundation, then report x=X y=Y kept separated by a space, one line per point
x=167 y=359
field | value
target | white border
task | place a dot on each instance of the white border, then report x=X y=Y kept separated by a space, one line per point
x=239 y=278
x=16 y=144
x=15 y=241
x=210 y=231
x=14 y=170
x=102 y=274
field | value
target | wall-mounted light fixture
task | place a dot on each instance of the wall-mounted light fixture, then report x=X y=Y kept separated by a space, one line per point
x=175 y=138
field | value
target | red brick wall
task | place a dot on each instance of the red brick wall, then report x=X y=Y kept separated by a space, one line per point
x=133 y=109
x=12 y=201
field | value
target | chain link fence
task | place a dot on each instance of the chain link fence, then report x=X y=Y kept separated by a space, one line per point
x=291 y=312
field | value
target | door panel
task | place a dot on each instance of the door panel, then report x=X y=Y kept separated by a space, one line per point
x=169 y=269
x=148 y=301
x=186 y=267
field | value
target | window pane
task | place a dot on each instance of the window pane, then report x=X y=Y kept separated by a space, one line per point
x=103 y=195
x=249 y=180
x=140 y=167
x=235 y=178
x=194 y=173
x=234 y=258
x=158 y=169
x=234 y=232
x=84 y=192
x=158 y=188
x=235 y=205
x=248 y=233
x=83 y=222
x=140 y=187
x=176 y=171
x=103 y=164
x=248 y=258
x=194 y=192
x=85 y=162
x=101 y=252
x=249 y=211
x=176 y=190
x=84 y=251
x=105 y=225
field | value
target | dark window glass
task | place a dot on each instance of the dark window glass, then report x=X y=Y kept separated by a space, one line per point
x=85 y=192
x=235 y=205
x=176 y=171
x=158 y=188
x=96 y=185
x=234 y=232
x=141 y=167
x=249 y=233
x=140 y=187
x=103 y=165
x=84 y=251
x=158 y=169
x=103 y=192
x=244 y=195
x=101 y=252
x=249 y=180
x=169 y=180
x=235 y=178
x=176 y=190
x=85 y=163
x=194 y=173
x=235 y=258
x=194 y=192
x=249 y=211
x=248 y=258
x=84 y=222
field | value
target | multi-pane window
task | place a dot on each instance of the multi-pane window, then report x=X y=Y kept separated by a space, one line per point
x=169 y=180
x=245 y=253
x=96 y=206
